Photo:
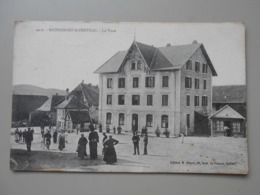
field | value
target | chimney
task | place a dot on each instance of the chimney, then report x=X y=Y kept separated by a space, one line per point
x=67 y=93
x=82 y=81
x=57 y=94
x=195 y=42
x=168 y=45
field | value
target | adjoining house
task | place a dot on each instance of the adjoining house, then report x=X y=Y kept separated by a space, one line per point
x=232 y=95
x=71 y=113
x=46 y=114
x=23 y=105
x=157 y=87
x=227 y=117
x=88 y=94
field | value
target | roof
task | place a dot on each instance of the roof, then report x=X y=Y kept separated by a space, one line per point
x=228 y=113
x=72 y=103
x=79 y=116
x=51 y=103
x=229 y=94
x=163 y=58
x=87 y=94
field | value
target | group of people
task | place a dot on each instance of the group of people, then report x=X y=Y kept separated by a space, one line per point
x=25 y=136
x=136 y=140
x=108 y=150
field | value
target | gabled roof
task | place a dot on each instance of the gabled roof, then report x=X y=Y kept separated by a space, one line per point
x=80 y=116
x=113 y=64
x=228 y=113
x=51 y=103
x=71 y=103
x=163 y=58
x=86 y=93
x=229 y=94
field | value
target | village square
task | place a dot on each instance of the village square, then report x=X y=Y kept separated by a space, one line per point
x=177 y=132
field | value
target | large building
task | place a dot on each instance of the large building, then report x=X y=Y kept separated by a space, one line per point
x=168 y=87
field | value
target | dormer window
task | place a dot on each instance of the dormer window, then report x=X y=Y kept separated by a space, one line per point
x=139 y=64
x=189 y=65
x=133 y=65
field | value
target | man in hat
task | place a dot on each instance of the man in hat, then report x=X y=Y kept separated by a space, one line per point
x=93 y=141
x=82 y=147
x=136 y=140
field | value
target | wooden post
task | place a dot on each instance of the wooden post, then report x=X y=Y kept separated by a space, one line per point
x=211 y=127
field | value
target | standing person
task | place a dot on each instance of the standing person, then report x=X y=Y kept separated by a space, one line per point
x=136 y=140
x=55 y=135
x=20 y=135
x=16 y=134
x=103 y=141
x=29 y=139
x=42 y=128
x=61 y=140
x=110 y=152
x=145 y=143
x=47 y=137
x=114 y=130
x=24 y=135
x=93 y=141
x=82 y=146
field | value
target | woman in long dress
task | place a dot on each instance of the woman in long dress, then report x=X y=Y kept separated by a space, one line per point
x=110 y=152
x=82 y=147
x=62 y=140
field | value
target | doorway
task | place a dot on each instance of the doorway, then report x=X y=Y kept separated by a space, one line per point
x=134 y=122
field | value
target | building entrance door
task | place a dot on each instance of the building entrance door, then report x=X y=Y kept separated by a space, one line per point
x=134 y=122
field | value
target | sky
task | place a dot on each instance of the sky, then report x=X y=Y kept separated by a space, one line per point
x=62 y=54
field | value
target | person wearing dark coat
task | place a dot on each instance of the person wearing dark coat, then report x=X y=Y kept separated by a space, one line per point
x=110 y=152
x=29 y=139
x=93 y=141
x=82 y=147
x=47 y=137
x=145 y=143
x=55 y=135
x=103 y=141
x=61 y=140
x=24 y=135
x=136 y=140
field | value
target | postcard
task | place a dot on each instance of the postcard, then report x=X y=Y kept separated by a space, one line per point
x=129 y=97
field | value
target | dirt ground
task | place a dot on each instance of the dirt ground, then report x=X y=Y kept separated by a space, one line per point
x=226 y=155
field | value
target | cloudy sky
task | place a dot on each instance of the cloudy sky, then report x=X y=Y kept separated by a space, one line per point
x=62 y=54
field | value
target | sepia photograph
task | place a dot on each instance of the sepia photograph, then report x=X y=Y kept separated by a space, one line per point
x=129 y=97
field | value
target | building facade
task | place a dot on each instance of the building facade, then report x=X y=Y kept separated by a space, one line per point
x=156 y=87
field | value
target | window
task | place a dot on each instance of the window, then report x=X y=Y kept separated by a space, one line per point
x=121 y=99
x=219 y=125
x=189 y=65
x=197 y=66
x=205 y=68
x=109 y=99
x=109 y=83
x=164 y=100
x=187 y=100
x=135 y=99
x=205 y=84
x=121 y=83
x=149 y=100
x=204 y=101
x=135 y=82
x=149 y=82
x=108 y=118
x=165 y=81
x=164 y=121
x=236 y=127
x=149 y=120
x=196 y=100
x=188 y=120
x=188 y=82
x=121 y=119
x=139 y=64
x=197 y=83
x=133 y=65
